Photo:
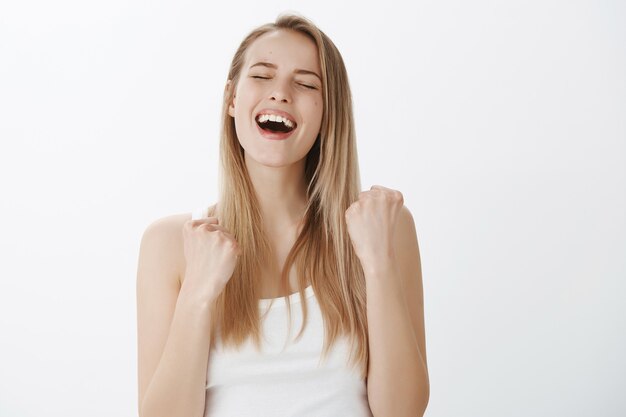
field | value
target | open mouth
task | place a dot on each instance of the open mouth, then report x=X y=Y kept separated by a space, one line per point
x=279 y=125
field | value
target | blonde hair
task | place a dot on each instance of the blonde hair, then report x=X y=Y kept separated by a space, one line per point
x=322 y=252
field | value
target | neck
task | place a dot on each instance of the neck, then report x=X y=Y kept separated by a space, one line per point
x=281 y=192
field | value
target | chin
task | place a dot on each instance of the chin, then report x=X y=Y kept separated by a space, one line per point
x=274 y=161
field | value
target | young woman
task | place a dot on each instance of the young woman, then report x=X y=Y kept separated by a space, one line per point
x=290 y=229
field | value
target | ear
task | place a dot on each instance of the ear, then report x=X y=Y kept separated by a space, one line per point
x=231 y=104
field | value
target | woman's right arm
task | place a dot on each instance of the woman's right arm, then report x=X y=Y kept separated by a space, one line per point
x=173 y=328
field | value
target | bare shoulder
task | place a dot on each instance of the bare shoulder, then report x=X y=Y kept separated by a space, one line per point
x=162 y=245
x=406 y=222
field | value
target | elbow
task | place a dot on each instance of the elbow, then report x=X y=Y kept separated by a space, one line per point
x=422 y=403
x=422 y=399
x=415 y=409
x=411 y=404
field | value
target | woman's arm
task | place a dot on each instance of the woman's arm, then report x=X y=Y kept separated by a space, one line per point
x=173 y=329
x=398 y=382
x=383 y=234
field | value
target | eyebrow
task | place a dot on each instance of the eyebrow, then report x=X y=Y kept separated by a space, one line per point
x=298 y=71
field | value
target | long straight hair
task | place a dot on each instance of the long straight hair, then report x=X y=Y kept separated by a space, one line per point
x=322 y=253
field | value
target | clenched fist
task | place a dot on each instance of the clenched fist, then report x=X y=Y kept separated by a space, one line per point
x=211 y=254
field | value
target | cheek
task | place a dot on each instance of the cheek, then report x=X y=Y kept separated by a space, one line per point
x=246 y=91
x=318 y=108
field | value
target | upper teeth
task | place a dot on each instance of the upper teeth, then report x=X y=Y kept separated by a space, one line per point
x=275 y=118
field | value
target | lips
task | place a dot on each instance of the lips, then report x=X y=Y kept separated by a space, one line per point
x=276 y=133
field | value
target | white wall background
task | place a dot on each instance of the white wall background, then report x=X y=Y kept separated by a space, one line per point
x=503 y=124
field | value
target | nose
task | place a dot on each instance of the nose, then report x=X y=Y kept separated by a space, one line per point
x=280 y=91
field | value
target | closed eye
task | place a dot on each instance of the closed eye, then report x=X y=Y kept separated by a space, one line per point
x=267 y=78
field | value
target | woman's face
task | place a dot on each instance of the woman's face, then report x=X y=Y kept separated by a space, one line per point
x=291 y=85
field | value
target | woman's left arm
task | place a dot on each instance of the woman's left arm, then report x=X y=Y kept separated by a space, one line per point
x=383 y=234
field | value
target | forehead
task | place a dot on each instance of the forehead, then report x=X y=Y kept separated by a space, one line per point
x=285 y=48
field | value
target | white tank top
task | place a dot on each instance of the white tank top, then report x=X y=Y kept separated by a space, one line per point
x=285 y=378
